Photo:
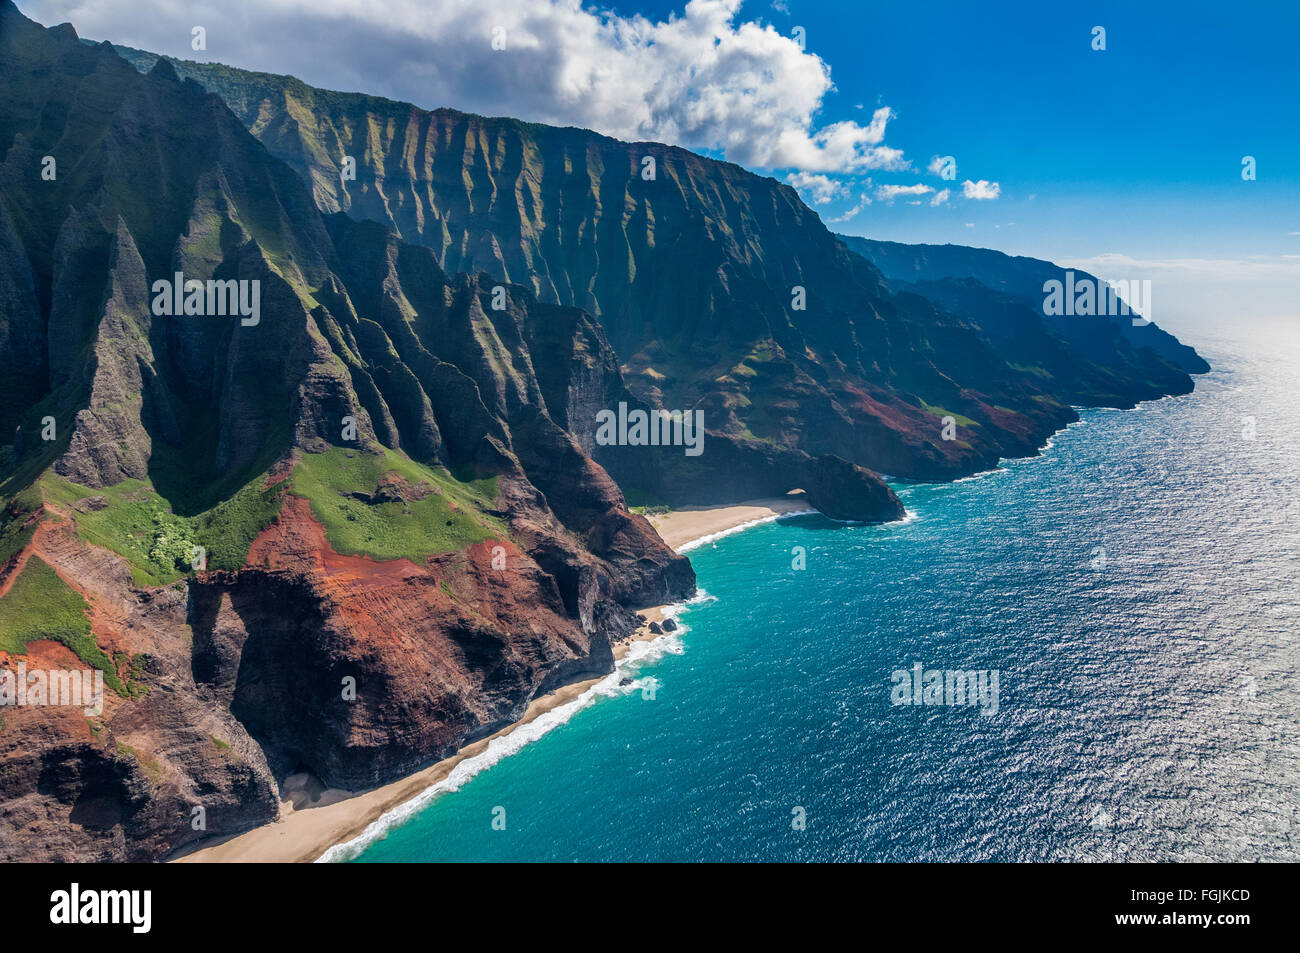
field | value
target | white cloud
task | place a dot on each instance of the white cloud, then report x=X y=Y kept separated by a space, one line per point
x=840 y=147
x=983 y=189
x=823 y=189
x=704 y=79
x=851 y=213
x=887 y=193
x=940 y=197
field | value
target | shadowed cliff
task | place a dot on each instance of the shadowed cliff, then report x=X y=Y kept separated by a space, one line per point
x=718 y=289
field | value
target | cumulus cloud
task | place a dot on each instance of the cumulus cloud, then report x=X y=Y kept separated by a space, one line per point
x=841 y=146
x=940 y=197
x=983 y=189
x=887 y=193
x=705 y=79
x=821 y=188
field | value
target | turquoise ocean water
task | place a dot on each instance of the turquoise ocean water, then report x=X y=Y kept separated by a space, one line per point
x=1136 y=588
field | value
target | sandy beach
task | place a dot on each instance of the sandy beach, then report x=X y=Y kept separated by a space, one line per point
x=692 y=523
x=311 y=821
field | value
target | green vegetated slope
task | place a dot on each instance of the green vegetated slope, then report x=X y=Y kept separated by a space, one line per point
x=387 y=506
x=382 y=505
x=134 y=521
x=40 y=605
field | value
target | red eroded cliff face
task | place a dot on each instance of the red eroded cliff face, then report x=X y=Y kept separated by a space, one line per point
x=121 y=781
x=353 y=669
x=361 y=670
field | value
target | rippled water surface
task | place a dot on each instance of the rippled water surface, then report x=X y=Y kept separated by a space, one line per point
x=1136 y=588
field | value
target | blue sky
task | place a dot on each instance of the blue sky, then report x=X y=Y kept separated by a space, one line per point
x=1135 y=150
x=1126 y=160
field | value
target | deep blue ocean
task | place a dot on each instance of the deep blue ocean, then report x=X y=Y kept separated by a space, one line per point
x=1136 y=588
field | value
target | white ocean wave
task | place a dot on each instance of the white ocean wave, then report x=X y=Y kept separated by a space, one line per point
x=979 y=476
x=518 y=738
